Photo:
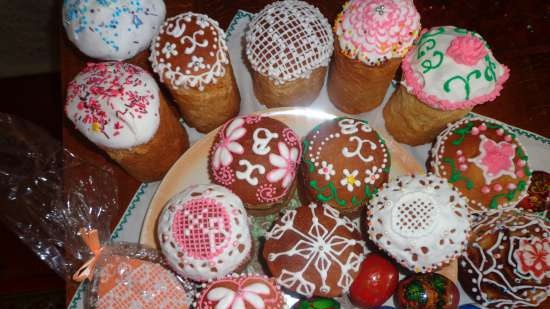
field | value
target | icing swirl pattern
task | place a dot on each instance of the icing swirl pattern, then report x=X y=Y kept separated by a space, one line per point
x=190 y=51
x=374 y=31
x=452 y=68
x=112 y=29
x=114 y=104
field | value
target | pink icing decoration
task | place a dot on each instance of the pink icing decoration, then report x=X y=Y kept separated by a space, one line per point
x=224 y=175
x=482 y=127
x=290 y=137
x=417 y=89
x=284 y=165
x=267 y=193
x=202 y=228
x=228 y=144
x=485 y=190
x=466 y=49
x=497 y=187
x=475 y=131
x=495 y=159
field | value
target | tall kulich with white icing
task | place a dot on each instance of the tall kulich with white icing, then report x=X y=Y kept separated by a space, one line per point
x=118 y=107
x=344 y=164
x=507 y=263
x=113 y=29
x=372 y=36
x=256 y=157
x=203 y=233
x=448 y=72
x=485 y=161
x=191 y=58
x=288 y=46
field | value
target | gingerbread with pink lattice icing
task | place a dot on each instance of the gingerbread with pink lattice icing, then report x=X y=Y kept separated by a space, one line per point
x=241 y=292
x=484 y=160
x=203 y=232
x=420 y=220
x=507 y=264
x=256 y=157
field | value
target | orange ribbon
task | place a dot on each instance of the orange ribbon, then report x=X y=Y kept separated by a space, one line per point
x=86 y=271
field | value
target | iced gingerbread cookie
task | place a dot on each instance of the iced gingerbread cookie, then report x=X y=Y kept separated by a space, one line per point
x=344 y=163
x=313 y=251
x=507 y=264
x=421 y=221
x=484 y=160
x=203 y=232
x=111 y=29
x=241 y=292
x=257 y=158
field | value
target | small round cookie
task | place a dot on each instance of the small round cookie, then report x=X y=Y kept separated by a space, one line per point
x=257 y=158
x=420 y=220
x=507 y=263
x=427 y=291
x=484 y=160
x=344 y=163
x=241 y=292
x=288 y=45
x=112 y=30
x=203 y=232
x=313 y=251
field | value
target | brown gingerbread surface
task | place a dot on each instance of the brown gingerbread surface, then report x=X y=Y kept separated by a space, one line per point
x=345 y=161
x=313 y=250
x=484 y=160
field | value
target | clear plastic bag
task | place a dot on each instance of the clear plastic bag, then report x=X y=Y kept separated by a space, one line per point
x=52 y=200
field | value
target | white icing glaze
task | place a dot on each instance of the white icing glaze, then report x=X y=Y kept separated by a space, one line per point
x=215 y=239
x=112 y=29
x=351 y=126
x=320 y=247
x=249 y=170
x=357 y=152
x=420 y=221
x=114 y=104
x=185 y=73
x=288 y=40
x=260 y=146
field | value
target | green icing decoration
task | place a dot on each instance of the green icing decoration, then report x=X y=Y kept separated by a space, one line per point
x=318 y=303
x=490 y=74
x=331 y=189
x=456 y=175
x=475 y=73
x=415 y=292
x=509 y=196
x=428 y=65
x=311 y=166
x=427 y=38
x=521 y=154
x=461 y=30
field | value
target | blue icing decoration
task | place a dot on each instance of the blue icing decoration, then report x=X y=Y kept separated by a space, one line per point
x=469 y=306
x=137 y=22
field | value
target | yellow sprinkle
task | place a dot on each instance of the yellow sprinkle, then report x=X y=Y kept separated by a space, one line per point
x=96 y=127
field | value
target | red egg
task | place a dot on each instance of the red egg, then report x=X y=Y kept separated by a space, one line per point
x=375 y=283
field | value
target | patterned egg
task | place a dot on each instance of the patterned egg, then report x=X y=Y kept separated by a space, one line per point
x=427 y=291
x=317 y=303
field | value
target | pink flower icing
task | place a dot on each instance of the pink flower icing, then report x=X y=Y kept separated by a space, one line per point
x=495 y=159
x=467 y=49
x=376 y=30
x=228 y=144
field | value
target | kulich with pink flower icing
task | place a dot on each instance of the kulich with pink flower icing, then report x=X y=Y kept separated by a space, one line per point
x=114 y=104
x=241 y=292
x=345 y=161
x=203 y=232
x=507 y=263
x=257 y=158
x=452 y=68
x=374 y=31
x=484 y=160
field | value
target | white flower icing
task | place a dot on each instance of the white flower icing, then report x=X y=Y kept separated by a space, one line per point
x=287 y=40
x=112 y=29
x=114 y=104
x=420 y=221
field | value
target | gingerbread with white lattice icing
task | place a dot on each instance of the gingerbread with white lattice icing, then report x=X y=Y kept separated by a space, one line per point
x=313 y=250
x=288 y=44
x=345 y=161
x=203 y=232
x=241 y=292
x=484 y=160
x=119 y=107
x=420 y=220
x=191 y=57
x=507 y=263
x=256 y=157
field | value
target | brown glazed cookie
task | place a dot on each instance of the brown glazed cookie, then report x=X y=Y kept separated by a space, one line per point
x=507 y=263
x=344 y=163
x=484 y=160
x=313 y=251
x=256 y=157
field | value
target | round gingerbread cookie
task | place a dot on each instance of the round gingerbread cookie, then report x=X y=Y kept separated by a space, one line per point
x=420 y=220
x=507 y=263
x=312 y=250
x=203 y=233
x=256 y=157
x=241 y=292
x=345 y=161
x=484 y=160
